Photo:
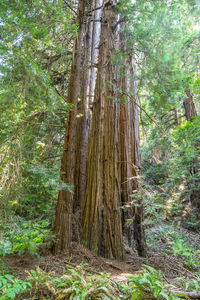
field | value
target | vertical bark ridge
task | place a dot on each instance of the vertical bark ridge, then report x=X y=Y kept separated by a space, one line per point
x=73 y=164
x=97 y=158
x=102 y=230
x=130 y=160
x=191 y=113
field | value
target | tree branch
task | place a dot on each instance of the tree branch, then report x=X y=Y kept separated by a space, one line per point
x=70 y=7
x=186 y=295
x=132 y=98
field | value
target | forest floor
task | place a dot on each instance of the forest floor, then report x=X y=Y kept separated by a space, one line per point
x=161 y=256
x=119 y=271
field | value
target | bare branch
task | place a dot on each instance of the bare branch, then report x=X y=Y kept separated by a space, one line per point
x=70 y=7
x=132 y=98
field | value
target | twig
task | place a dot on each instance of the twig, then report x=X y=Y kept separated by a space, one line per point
x=54 y=156
x=132 y=98
x=70 y=7
x=86 y=269
x=94 y=9
x=186 y=295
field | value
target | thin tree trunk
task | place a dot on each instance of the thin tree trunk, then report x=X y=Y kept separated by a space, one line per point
x=131 y=162
x=190 y=113
x=190 y=110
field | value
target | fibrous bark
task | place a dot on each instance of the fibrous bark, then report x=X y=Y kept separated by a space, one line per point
x=102 y=231
x=94 y=148
x=73 y=164
x=130 y=160
x=190 y=110
x=191 y=113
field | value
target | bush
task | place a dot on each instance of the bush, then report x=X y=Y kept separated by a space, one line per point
x=10 y=286
x=75 y=284
x=23 y=236
x=148 y=284
x=79 y=285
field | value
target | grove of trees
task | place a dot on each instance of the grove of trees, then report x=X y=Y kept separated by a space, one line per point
x=99 y=126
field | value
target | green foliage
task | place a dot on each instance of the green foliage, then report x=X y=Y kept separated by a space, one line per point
x=185 y=139
x=40 y=282
x=171 y=168
x=166 y=44
x=36 y=53
x=148 y=284
x=190 y=256
x=157 y=235
x=153 y=204
x=173 y=241
x=75 y=284
x=3 y=267
x=190 y=284
x=10 y=286
x=23 y=236
x=79 y=285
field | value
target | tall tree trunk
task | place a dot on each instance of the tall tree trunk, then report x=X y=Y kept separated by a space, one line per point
x=190 y=113
x=190 y=110
x=102 y=232
x=73 y=164
x=95 y=172
x=130 y=161
x=84 y=113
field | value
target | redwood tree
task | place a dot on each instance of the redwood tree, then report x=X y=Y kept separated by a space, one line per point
x=130 y=159
x=73 y=164
x=93 y=153
x=191 y=113
x=102 y=231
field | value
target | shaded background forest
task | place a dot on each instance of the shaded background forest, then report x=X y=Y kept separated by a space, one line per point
x=36 y=51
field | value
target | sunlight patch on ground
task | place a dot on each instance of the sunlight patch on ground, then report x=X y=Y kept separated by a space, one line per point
x=123 y=276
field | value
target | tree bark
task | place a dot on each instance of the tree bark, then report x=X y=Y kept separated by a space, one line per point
x=93 y=151
x=102 y=231
x=190 y=110
x=73 y=164
x=131 y=162
x=190 y=113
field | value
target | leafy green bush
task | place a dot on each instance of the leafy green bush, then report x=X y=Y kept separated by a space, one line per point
x=4 y=269
x=41 y=283
x=190 y=284
x=148 y=284
x=10 y=286
x=75 y=284
x=175 y=242
x=79 y=285
x=23 y=236
x=157 y=235
x=190 y=256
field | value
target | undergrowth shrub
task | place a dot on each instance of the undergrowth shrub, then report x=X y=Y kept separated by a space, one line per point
x=10 y=287
x=21 y=236
x=174 y=242
x=190 y=284
x=41 y=284
x=80 y=285
x=148 y=284
x=3 y=267
x=181 y=248
x=75 y=284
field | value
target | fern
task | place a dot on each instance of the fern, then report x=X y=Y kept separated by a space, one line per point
x=79 y=285
x=148 y=284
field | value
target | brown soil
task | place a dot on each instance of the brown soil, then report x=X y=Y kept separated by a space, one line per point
x=171 y=266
